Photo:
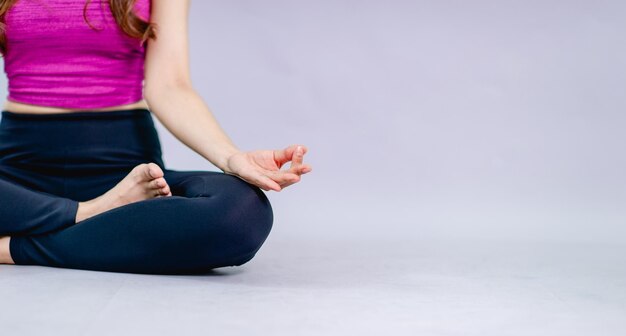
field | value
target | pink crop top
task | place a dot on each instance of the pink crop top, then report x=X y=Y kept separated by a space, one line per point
x=54 y=58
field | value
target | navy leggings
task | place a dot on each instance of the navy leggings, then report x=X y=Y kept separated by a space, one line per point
x=50 y=162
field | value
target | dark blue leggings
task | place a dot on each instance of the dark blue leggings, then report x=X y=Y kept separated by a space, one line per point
x=50 y=162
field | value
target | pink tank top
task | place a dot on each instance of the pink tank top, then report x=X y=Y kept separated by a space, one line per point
x=54 y=58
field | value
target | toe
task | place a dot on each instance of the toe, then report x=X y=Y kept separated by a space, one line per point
x=157 y=183
x=162 y=191
x=154 y=171
x=148 y=171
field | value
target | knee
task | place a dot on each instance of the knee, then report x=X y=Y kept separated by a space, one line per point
x=232 y=217
x=249 y=219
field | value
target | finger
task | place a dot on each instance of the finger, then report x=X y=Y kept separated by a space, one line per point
x=263 y=181
x=282 y=156
x=270 y=184
x=286 y=184
x=298 y=158
x=303 y=169
x=282 y=177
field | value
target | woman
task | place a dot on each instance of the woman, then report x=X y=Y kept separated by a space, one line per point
x=82 y=181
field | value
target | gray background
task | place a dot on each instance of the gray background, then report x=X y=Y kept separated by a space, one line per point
x=426 y=119
x=468 y=174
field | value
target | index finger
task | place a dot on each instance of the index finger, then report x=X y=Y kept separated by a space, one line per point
x=282 y=156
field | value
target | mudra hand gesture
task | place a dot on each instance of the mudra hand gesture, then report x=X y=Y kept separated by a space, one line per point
x=262 y=167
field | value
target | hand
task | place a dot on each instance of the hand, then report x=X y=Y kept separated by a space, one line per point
x=262 y=167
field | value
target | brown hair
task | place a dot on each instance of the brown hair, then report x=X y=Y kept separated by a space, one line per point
x=122 y=10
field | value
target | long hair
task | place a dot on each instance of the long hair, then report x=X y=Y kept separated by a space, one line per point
x=122 y=10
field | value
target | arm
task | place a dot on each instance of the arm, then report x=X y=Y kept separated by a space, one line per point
x=168 y=88
x=173 y=100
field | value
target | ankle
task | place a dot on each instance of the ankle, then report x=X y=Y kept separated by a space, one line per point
x=85 y=210
x=5 y=251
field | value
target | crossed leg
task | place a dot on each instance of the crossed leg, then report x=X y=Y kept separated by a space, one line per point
x=211 y=220
x=25 y=210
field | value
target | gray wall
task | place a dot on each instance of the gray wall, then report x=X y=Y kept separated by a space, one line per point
x=425 y=120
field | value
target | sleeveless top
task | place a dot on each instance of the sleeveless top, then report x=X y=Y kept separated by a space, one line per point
x=54 y=58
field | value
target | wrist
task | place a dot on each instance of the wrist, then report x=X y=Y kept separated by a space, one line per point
x=222 y=161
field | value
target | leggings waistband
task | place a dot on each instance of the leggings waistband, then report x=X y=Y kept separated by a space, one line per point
x=80 y=115
x=78 y=128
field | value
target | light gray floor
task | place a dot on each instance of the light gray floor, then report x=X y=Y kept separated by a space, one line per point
x=338 y=288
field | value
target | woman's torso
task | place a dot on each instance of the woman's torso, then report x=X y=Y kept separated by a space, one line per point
x=46 y=54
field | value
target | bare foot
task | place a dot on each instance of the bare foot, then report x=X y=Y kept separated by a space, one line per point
x=143 y=182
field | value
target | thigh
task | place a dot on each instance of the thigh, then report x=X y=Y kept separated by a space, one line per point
x=231 y=194
x=196 y=183
x=33 y=180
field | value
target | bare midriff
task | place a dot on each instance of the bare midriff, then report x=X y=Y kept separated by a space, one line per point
x=16 y=107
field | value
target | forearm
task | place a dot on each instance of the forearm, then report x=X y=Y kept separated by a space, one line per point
x=183 y=112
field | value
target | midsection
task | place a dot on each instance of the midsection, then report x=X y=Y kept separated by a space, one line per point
x=16 y=107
